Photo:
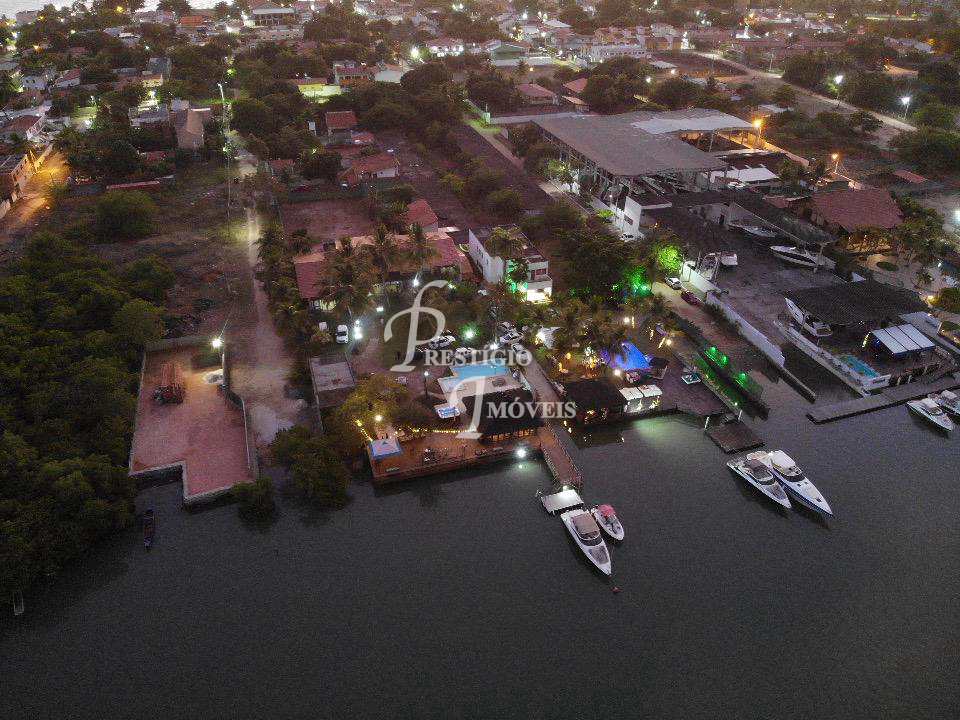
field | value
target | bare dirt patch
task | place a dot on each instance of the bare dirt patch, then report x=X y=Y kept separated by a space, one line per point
x=327 y=219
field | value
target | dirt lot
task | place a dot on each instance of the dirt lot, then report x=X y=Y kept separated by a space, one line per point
x=327 y=219
x=696 y=66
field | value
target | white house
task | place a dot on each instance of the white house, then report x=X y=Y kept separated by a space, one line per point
x=538 y=285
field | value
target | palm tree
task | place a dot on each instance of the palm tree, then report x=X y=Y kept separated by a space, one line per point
x=420 y=249
x=384 y=251
x=569 y=332
x=348 y=280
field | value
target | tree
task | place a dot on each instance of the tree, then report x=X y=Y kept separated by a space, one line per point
x=177 y=7
x=314 y=466
x=384 y=251
x=871 y=90
x=124 y=215
x=504 y=243
x=149 y=277
x=675 y=93
x=948 y=300
x=420 y=249
x=348 y=280
x=425 y=77
x=506 y=203
x=252 y=116
x=929 y=149
x=936 y=115
x=137 y=323
x=865 y=122
x=256 y=503
x=522 y=137
x=322 y=165
x=784 y=96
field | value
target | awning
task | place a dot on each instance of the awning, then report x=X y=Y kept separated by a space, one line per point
x=384 y=447
x=902 y=339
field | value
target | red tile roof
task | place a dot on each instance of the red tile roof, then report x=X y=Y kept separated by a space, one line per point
x=576 y=86
x=20 y=124
x=852 y=209
x=340 y=120
x=370 y=165
x=534 y=90
x=420 y=212
x=910 y=177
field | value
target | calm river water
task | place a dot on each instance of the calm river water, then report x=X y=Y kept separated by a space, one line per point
x=462 y=599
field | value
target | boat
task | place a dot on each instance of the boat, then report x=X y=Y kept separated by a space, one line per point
x=754 y=470
x=728 y=259
x=586 y=533
x=754 y=230
x=930 y=410
x=797 y=256
x=796 y=483
x=149 y=528
x=948 y=400
x=808 y=321
x=608 y=521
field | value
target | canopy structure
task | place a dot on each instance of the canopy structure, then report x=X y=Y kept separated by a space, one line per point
x=902 y=340
x=561 y=501
x=384 y=447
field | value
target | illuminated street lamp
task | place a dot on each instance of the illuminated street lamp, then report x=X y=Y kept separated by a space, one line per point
x=216 y=343
x=838 y=81
x=758 y=124
x=905 y=101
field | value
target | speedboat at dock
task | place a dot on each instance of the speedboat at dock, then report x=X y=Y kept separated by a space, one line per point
x=755 y=471
x=586 y=533
x=931 y=411
x=796 y=483
x=608 y=521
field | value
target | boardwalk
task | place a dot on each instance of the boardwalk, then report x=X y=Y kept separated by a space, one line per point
x=888 y=398
x=734 y=437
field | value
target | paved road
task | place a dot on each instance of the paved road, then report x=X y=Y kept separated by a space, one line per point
x=24 y=216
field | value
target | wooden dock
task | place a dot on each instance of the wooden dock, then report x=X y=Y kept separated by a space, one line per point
x=734 y=437
x=564 y=470
x=887 y=398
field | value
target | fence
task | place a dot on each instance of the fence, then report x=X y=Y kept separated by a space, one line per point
x=756 y=338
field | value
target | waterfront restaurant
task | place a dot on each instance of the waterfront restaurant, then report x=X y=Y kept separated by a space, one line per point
x=505 y=416
x=596 y=401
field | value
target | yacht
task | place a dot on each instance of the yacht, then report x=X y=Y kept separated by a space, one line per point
x=930 y=410
x=754 y=230
x=797 y=255
x=754 y=470
x=586 y=533
x=796 y=483
x=948 y=400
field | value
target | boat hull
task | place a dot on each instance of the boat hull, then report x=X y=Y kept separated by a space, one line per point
x=602 y=563
x=942 y=423
x=783 y=502
x=606 y=527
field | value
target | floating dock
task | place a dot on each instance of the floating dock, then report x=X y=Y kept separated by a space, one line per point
x=734 y=437
x=887 y=398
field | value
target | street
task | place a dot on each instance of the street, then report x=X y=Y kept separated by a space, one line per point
x=23 y=216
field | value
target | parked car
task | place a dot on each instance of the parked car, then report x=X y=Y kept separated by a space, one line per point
x=444 y=341
x=690 y=298
x=509 y=337
x=343 y=334
x=674 y=282
x=463 y=355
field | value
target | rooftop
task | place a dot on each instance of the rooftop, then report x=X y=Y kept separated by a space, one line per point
x=597 y=394
x=534 y=90
x=682 y=121
x=619 y=145
x=332 y=381
x=340 y=120
x=852 y=209
x=856 y=302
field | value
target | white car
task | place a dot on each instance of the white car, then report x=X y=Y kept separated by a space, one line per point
x=674 y=282
x=509 y=337
x=444 y=341
x=343 y=334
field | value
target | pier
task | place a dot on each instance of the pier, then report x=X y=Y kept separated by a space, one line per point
x=734 y=436
x=888 y=398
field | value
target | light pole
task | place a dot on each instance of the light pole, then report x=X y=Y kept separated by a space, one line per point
x=905 y=101
x=426 y=378
x=838 y=81
x=758 y=124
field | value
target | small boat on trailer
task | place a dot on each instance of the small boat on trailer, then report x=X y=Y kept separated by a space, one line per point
x=931 y=411
x=149 y=528
x=586 y=533
x=608 y=521
x=753 y=230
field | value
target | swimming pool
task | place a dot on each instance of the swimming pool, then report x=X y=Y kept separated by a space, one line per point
x=480 y=370
x=859 y=365
x=629 y=359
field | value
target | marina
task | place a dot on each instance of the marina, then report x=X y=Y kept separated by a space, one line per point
x=888 y=398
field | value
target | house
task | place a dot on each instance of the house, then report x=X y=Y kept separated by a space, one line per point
x=25 y=127
x=420 y=213
x=385 y=72
x=270 y=15
x=162 y=66
x=381 y=165
x=843 y=211
x=188 y=125
x=538 y=285
x=595 y=401
x=39 y=81
x=346 y=76
x=340 y=121
x=493 y=425
x=68 y=79
x=15 y=171
x=534 y=94
x=443 y=46
x=332 y=380
x=576 y=87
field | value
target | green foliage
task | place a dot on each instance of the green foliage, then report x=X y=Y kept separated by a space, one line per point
x=68 y=371
x=948 y=300
x=492 y=89
x=936 y=115
x=669 y=258
x=425 y=77
x=256 y=503
x=675 y=93
x=505 y=203
x=322 y=165
x=523 y=137
x=149 y=277
x=124 y=215
x=929 y=149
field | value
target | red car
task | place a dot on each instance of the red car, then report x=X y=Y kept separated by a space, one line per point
x=690 y=298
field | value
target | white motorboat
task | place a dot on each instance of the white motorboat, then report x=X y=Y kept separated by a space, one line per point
x=797 y=256
x=948 y=400
x=586 y=533
x=728 y=259
x=796 y=483
x=808 y=321
x=754 y=230
x=754 y=470
x=931 y=411
x=608 y=521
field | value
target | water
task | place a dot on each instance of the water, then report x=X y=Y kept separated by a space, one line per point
x=462 y=599
x=466 y=372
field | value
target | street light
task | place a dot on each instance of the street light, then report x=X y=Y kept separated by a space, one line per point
x=905 y=101
x=758 y=124
x=426 y=378
x=216 y=343
x=838 y=81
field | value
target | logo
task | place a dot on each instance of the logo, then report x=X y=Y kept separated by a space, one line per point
x=414 y=311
